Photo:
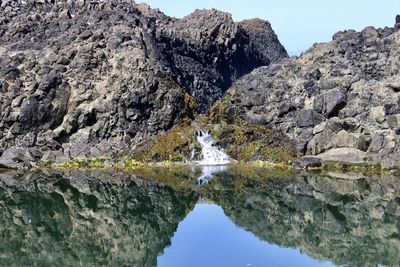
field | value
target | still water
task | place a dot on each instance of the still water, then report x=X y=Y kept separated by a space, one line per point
x=207 y=237
x=166 y=217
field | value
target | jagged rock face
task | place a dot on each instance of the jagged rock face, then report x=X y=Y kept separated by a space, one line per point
x=87 y=78
x=212 y=51
x=347 y=222
x=341 y=96
x=89 y=219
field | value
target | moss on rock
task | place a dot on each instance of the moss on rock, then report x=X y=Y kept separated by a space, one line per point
x=225 y=111
x=175 y=145
x=353 y=167
x=246 y=143
x=190 y=107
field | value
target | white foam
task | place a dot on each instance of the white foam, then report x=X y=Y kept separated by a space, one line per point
x=211 y=155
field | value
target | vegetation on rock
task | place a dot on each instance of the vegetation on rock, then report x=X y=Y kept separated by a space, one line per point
x=175 y=145
x=87 y=79
x=246 y=142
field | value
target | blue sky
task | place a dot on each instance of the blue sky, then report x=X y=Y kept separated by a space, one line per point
x=297 y=23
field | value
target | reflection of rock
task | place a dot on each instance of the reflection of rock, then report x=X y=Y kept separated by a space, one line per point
x=109 y=220
x=351 y=222
x=96 y=219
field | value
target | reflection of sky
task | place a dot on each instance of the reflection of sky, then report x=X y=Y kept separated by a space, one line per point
x=298 y=24
x=208 y=238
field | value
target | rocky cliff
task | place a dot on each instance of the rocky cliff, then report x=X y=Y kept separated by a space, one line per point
x=339 y=100
x=93 y=78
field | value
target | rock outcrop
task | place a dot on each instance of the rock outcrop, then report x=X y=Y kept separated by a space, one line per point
x=340 y=99
x=93 y=78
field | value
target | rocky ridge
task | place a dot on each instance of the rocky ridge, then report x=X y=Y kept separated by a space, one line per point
x=339 y=100
x=84 y=79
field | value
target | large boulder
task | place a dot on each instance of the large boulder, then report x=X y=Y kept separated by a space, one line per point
x=329 y=103
x=352 y=140
x=346 y=155
x=14 y=158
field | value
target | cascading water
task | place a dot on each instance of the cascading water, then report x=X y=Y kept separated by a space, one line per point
x=213 y=159
x=211 y=155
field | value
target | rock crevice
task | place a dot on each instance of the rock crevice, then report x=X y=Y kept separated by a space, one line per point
x=94 y=78
x=339 y=97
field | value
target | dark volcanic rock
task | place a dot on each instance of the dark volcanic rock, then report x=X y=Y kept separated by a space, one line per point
x=341 y=96
x=308 y=162
x=93 y=78
x=308 y=118
x=207 y=51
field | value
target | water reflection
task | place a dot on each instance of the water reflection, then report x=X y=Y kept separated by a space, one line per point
x=116 y=219
x=208 y=172
x=348 y=222
x=207 y=237
x=83 y=219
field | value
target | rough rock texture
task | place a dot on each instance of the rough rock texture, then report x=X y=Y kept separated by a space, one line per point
x=341 y=94
x=93 y=78
x=307 y=162
x=207 y=51
x=87 y=219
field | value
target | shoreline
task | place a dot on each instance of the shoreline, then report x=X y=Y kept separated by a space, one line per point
x=127 y=164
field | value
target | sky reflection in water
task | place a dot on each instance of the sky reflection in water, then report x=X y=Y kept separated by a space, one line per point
x=241 y=217
x=207 y=237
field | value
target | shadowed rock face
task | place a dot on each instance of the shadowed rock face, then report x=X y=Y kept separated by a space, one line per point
x=217 y=51
x=87 y=219
x=86 y=78
x=341 y=96
x=347 y=222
